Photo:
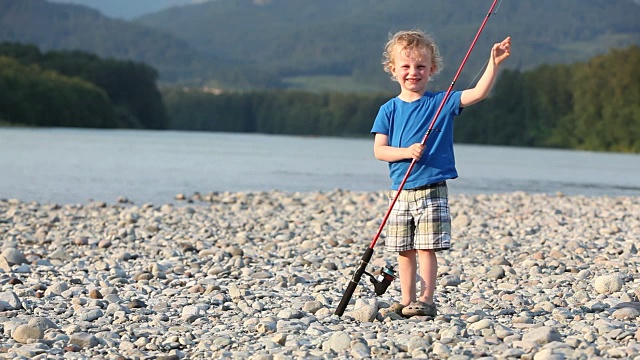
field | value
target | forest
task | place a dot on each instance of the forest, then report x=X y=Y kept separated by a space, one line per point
x=590 y=105
x=75 y=88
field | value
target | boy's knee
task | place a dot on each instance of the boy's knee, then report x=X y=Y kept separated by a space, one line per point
x=427 y=251
x=407 y=253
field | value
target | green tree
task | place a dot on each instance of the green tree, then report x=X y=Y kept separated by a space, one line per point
x=606 y=111
x=32 y=96
x=130 y=86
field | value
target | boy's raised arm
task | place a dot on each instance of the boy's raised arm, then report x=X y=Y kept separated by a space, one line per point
x=499 y=52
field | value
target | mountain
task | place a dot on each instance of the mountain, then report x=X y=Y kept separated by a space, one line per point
x=345 y=38
x=318 y=45
x=74 y=27
x=129 y=9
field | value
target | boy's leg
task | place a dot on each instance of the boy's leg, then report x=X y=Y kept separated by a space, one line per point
x=400 y=239
x=433 y=233
x=428 y=274
x=407 y=264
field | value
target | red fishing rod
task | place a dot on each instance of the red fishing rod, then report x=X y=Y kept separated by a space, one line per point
x=388 y=276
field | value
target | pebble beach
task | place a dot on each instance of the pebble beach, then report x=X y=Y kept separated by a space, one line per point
x=258 y=275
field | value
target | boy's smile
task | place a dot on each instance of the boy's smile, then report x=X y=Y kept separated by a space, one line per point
x=412 y=69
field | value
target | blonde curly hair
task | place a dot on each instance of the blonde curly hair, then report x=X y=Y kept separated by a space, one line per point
x=411 y=40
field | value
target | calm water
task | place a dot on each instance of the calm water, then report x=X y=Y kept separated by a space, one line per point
x=76 y=166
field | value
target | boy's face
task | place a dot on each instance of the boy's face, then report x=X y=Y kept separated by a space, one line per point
x=412 y=68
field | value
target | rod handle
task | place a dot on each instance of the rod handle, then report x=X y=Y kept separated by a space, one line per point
x=353 y=283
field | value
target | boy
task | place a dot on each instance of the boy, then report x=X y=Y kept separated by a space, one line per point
x=419 y=224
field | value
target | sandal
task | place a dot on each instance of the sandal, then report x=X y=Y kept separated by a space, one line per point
x=394 y=311
x=396 y=308
x=419 y=308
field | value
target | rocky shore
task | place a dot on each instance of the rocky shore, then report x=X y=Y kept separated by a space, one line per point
x=259 y=275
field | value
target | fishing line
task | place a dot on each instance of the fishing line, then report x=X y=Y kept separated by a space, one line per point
x=495 y=33
x=366 y=257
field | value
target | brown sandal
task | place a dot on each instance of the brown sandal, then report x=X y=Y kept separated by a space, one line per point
x=396 y=308
x=419 y=308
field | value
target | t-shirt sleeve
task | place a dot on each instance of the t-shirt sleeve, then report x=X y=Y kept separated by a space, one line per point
x=382 y=121
x=453 y=102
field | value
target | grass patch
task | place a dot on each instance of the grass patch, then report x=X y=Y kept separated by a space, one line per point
x=328 y=83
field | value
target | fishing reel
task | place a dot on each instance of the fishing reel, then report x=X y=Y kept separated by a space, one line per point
x=382 y=281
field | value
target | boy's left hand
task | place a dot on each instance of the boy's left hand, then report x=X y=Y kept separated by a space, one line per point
x=501 y=51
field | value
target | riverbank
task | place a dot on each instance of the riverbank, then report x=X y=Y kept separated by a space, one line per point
x=259 y=275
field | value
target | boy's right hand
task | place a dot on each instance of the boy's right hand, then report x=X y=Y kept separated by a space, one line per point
x=501 y=51
x=415 y=151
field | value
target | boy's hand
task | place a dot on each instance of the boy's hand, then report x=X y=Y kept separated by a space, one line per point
x=415 y=151
x=501 y=51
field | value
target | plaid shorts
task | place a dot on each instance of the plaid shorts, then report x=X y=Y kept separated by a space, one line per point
x=419 y=220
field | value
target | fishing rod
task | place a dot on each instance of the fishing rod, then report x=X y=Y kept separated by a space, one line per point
x=387 y=273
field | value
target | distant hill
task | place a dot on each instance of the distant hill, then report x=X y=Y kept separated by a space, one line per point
x=57 y=26
x=62 y=26
x=129 y=9
x=337 y=37
x=322 y=45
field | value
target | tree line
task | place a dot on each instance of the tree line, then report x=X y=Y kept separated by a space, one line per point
x=79 y=89
x=589 y=105
x=273 y=112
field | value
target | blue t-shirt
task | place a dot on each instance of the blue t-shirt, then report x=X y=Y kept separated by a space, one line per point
x=407 y=123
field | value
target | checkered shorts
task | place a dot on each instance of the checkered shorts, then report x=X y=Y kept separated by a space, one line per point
x=419 y=220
